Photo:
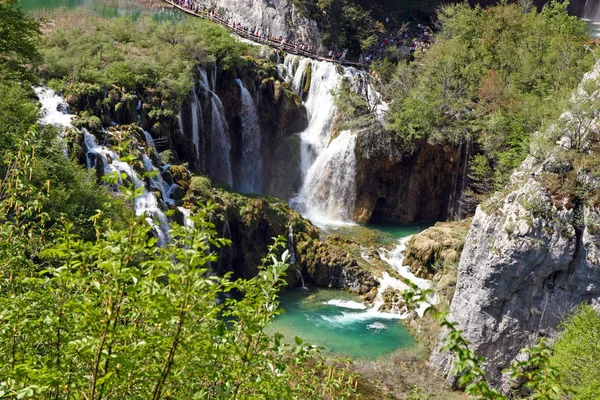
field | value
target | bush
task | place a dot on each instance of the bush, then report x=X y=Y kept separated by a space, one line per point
x=577 y=353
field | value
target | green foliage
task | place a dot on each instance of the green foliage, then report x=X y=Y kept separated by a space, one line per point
x=494 y=75
x=343 y=24
x=537 y=373
x=19 y=36
x=353 y=107
x=577 y=353
x=137 y=55
x=116 y=315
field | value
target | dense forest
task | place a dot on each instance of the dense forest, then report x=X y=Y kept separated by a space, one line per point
x=92 y=308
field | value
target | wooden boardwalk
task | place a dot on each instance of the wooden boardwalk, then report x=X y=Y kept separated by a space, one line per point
x=275 y=44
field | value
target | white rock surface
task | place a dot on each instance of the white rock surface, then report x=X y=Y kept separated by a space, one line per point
x=280 y=17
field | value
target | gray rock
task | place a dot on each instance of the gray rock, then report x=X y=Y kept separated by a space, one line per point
x=525 y=264
x=280 y=17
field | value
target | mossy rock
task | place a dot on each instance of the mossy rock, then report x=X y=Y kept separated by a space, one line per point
x=181 y=175
x=436 y=247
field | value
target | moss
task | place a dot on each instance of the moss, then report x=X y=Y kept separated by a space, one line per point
x=436 y=248
x=307 y=79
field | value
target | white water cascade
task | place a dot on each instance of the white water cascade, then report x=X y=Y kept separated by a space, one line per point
x=395 y=258
x=219 y=167
x=591 y=14
x=146 y=204
x=327 y=195
x=54 y=108
x=251 y=181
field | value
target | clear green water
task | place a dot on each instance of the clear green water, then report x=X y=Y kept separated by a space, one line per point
x=377 y=234
x=106 y=8
x=341 y=331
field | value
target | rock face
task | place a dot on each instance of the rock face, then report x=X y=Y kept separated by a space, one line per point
x=435 y=248
x=279 y=17
x=526 y=262
x=280 y=116
x=404 y=189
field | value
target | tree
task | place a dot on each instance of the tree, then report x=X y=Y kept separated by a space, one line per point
x=19 y=36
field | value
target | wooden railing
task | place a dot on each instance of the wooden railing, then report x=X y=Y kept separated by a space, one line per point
x=275 y=44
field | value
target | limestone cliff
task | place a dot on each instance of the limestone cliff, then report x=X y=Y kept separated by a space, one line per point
x=532 y=254
x=404 y=188
x=280 y=17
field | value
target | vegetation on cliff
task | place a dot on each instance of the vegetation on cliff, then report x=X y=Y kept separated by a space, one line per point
x=494 y=76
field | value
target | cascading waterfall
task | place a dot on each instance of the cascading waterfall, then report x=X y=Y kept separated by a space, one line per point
x=251 y=157
x=55 y=111
x=219 y=167
x=455 y=206
x=591 y=14
x=395 y=259
x=291 y=245
x=327 y=195
x=196 y=116
x=146 y=204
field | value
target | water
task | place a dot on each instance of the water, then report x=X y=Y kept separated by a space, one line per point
x=327 y=196
x=107 y=8
x=591 y=14
x=219 y=167
x=145 y=204
x=328 y=193
x=54 y=108
x=251 y=157
x=340 y=323
x=196 y=122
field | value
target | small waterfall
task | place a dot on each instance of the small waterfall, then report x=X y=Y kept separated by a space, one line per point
x=219 y=167
x=145 y=204
x=455 y=205
x=301 y=279
x=291 y=245
x=591 y=14
x=395 y=258
x=196 y=123
x=251 y=157
x=55 y=111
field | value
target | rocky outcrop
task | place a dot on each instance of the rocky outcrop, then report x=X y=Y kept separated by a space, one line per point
x=403 y=189
x=529 y=258
x=435 y=248
x=250 y=222
x=278 y=17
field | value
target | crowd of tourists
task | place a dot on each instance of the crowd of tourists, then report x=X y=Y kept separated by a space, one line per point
x=421 y=42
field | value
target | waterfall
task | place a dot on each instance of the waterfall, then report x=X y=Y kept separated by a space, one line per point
x=219 y=167
x=55 y=111
x=145 y=204
x=195 y=124
x=328 y=193
x=591 y=14
x=291 y=245
x=455 y=205
x=395 y=259
x=251 y=157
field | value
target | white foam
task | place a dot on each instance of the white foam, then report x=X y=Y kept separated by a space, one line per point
x=376 y=326
x=353 y=305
